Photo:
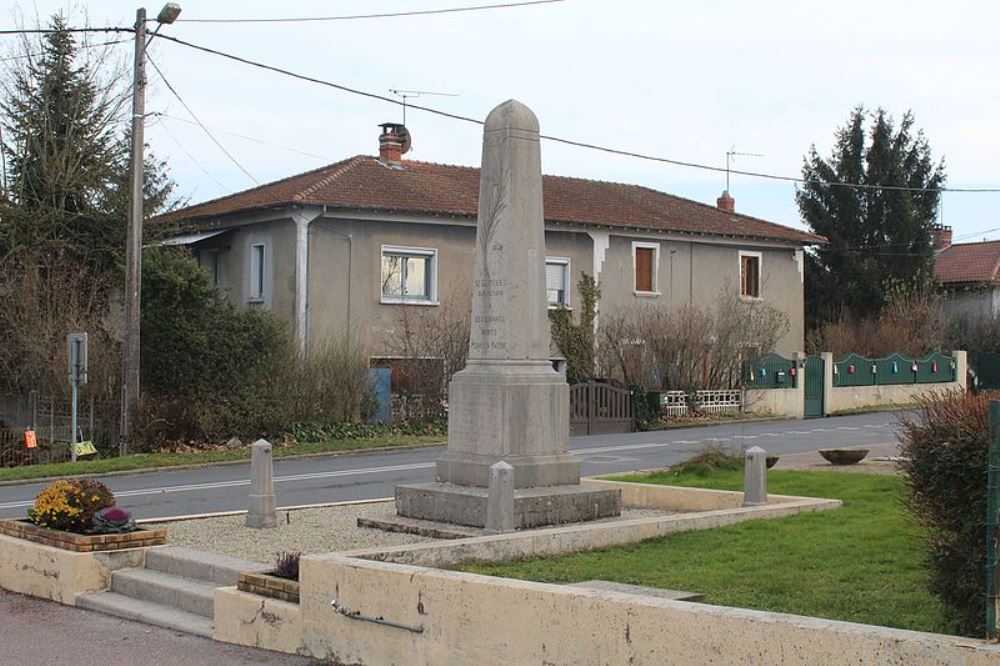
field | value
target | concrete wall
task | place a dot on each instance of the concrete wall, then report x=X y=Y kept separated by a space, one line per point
x=688 y=272
x=698 y=273
x=844 y=398
x=56 y=574
x=973 y=302
x=451 y=617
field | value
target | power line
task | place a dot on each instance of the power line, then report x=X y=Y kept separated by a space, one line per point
x=22 y=56
x=49 y=31
x=201 y=124
x=570 y=142
x=192 y=158
x=354 y=17
x=250 y=138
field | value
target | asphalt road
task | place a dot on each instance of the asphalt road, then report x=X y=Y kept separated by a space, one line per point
x=373 y=475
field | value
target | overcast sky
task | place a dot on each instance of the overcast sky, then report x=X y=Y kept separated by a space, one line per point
x=687 y=81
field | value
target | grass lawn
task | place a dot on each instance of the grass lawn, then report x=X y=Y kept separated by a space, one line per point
x=860 y=563
x=141 y=461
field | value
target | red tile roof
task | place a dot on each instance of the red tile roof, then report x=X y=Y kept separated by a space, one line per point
x=369 y=184
x=968 y=263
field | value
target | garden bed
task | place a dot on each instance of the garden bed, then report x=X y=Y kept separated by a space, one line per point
x=82 y=543
x=267 y=585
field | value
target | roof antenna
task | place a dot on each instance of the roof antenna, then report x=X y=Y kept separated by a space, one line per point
x=731 y=155
x=406 y=94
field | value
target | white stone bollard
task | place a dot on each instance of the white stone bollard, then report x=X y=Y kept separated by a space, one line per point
x=755 y=477
x=261 y=511
x=500 y=498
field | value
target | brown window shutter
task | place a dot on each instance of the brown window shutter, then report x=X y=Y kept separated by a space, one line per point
x=643 y=269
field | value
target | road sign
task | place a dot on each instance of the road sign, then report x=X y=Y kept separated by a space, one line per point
x=76 y=344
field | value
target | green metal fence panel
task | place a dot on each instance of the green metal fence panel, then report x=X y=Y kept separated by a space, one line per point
x=770 y=372
x=934 y=368
x=853 y=370
x=987 y=368
x=893 y=369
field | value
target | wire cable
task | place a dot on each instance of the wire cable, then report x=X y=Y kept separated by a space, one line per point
x=262 y=142
x=201 y=124
x=22 y=56
x=354 y=17
x=49 y=31
x=192 y=158
x=570 y=142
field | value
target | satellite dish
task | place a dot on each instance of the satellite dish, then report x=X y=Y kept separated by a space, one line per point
x=405 y=140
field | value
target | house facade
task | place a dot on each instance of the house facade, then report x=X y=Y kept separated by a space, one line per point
x=969 y=275
x=346 y=247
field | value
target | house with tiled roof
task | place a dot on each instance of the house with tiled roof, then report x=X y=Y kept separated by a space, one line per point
x=350 y=245
x=969 y=274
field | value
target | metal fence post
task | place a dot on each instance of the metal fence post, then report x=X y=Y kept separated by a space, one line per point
x=992 y=508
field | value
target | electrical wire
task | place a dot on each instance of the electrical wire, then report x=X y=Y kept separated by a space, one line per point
x=22 y=56
x=201 y=124
x=354 y=17
x=192 y=158
x=49 y=31
x=251 y=138
x=570 y=142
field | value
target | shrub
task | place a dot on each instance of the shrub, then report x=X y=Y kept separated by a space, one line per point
x=113 y=520
x=711 y=458
x=70 y=504
x=945 y=448
x=287 y=565
x=576 y=340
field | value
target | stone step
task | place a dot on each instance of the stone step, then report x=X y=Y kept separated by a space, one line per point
x=186 y=594
x=147 y=612
x=200 y=565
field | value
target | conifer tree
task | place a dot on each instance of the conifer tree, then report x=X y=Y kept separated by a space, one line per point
x=876 y=234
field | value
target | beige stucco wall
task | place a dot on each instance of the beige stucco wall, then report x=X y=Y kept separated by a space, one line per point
x=688 y=271
x=698 y=273
x=56 y=574
x=249 y=619
x=471 y=619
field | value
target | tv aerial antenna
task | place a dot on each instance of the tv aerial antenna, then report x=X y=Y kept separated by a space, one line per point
x=407 y=94
x=731 y=156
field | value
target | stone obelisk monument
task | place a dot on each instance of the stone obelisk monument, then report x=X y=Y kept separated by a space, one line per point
x=508 y=404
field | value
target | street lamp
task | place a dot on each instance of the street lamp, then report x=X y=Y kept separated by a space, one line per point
x=133 y=245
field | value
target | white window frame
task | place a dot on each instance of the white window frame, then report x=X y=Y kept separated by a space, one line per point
x=403 y=250
x=655 y=247
x=258 y=280
x=760 y=274
x=565 y=263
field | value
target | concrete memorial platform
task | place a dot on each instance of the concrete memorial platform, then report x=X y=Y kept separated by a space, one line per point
x=508 y=405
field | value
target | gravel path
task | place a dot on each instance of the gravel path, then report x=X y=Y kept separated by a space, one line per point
x=318 y=530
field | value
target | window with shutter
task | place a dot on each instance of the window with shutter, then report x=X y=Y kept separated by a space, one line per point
x=409 y=275
x=750 y=275
x=644 y=257
x=557 y=281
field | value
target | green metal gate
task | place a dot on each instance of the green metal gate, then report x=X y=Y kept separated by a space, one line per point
x=815 y=376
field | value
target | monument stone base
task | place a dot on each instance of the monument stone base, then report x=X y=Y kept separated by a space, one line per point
x=533 y=507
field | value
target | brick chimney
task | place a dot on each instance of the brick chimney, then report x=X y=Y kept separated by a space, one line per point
x=726 y=202
x=940 y=237
x=391 y=142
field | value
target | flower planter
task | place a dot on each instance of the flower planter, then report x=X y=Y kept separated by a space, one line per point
x=82 y=543
x=844 y=456
x=267 y=585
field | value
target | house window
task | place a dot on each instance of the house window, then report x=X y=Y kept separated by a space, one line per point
x=645 y=258
x=750 y=274
x=409 y=275
x=257 y=272
x=557 y=281
x=209 y=262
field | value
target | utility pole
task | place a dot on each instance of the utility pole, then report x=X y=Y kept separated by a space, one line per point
x=133 y=249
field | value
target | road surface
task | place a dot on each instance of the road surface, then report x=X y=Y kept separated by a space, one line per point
x=159 y=494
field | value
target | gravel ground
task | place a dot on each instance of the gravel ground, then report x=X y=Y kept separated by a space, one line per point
x=319 y=530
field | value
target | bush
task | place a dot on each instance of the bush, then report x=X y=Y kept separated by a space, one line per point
x=576 y=340
x=213 y=370
x=70 y=504
x=945 y=449
x=287 y=566
x=710 y=459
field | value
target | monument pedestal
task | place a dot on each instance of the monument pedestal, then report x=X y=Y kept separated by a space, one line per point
x=533 y=507
x=517 y=412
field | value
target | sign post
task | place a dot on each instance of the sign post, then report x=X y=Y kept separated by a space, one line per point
x=76 y=344
x=992 y=516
